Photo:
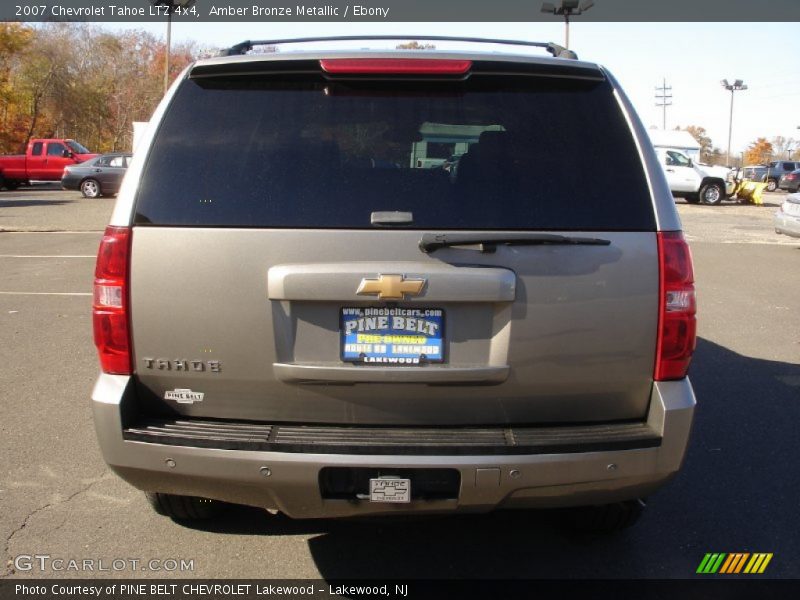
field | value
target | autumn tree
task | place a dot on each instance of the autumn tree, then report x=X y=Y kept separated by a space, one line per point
x=700 y=136
x=14 y=38
x=80 y=81
x=133 y=80
x=759 y=151
x=43 y=73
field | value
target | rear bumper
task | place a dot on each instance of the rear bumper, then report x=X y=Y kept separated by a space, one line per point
x=486 y=481
x=787 y=224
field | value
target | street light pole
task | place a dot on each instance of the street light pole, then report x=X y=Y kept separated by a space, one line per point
x=567 y=9
x=730 y=126
x=736 y=86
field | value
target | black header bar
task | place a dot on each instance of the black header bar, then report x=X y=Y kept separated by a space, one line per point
x=393 y=11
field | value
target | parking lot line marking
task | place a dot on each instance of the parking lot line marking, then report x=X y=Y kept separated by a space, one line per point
x=46 y=293
x=48 y=256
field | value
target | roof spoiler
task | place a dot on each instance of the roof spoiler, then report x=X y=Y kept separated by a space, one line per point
x=244 y=47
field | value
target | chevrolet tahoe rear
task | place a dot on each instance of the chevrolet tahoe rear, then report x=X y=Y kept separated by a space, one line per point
x=339 y=326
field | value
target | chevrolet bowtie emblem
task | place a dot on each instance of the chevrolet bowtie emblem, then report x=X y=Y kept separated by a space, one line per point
x=390 y=287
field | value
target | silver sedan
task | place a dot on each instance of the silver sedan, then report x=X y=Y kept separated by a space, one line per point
x=787 y=219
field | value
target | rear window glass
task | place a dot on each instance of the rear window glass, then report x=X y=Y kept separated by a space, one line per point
x=493 y=152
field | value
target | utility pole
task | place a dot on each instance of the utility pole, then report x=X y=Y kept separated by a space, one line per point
x=663 y=100
x=736 y=86
x=171 y=6
x=168 y=52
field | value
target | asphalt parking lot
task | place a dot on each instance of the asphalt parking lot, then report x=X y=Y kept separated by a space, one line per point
x=738 y=490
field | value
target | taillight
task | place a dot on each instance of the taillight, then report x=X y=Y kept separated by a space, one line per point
x=110 y=303
x=677 y=327
x=791 y=176
x=395 y=66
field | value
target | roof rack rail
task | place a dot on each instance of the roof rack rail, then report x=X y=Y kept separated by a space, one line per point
x=244 y=47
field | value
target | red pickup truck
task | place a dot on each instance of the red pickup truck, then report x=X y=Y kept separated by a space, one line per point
x=44 y=160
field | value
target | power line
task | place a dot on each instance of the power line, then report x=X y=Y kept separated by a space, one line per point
x=663 y=100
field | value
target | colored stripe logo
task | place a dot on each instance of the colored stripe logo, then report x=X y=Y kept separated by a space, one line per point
x=734 y=563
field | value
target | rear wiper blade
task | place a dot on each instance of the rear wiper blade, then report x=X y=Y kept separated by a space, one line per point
x=431 y=242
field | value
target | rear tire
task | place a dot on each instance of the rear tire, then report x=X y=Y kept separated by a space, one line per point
x=772 y=185
x=90 y=188
x=712 y=193
x=184 y=508
x=606 y=518
x=9 y=184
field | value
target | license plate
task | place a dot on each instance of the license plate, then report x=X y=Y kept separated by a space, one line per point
x=392 y=336
x=388 y=489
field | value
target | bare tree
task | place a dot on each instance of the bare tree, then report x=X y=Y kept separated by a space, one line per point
x=782 y=146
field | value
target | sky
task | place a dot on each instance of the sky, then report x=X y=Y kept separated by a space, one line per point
x=692 y=57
